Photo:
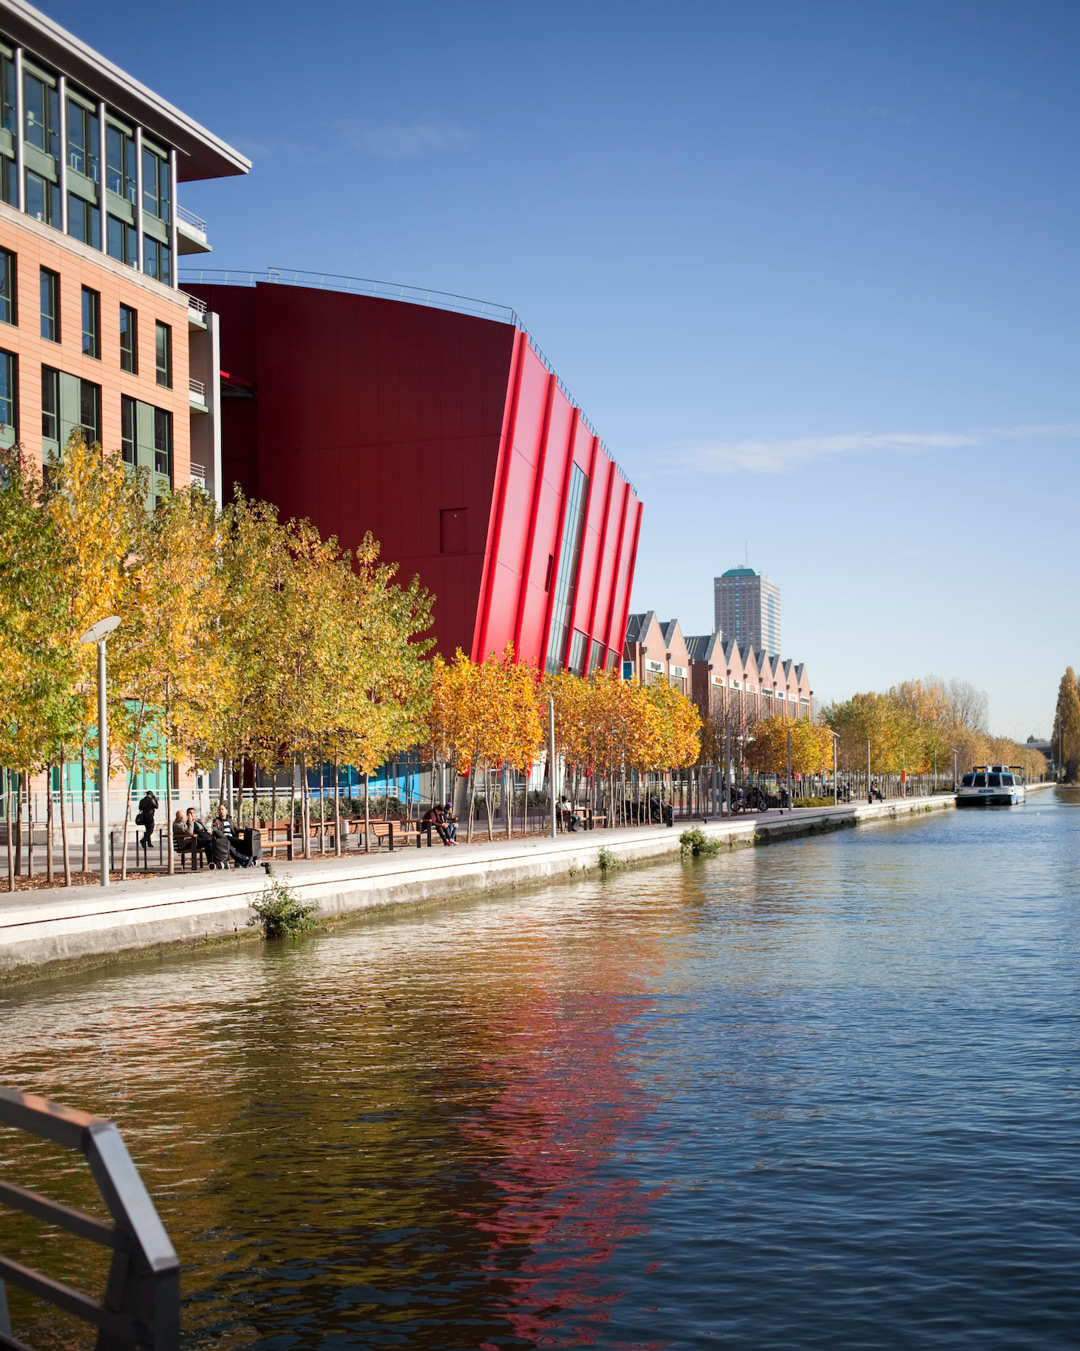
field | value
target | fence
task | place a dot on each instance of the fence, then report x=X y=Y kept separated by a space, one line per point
x=141 y=1302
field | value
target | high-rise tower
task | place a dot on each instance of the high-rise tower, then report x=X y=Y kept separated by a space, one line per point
x=746 y=607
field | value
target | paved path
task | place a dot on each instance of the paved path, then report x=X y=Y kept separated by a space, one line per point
x=89 y=923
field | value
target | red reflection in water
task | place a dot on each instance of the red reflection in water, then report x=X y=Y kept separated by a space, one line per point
x=556 y=1135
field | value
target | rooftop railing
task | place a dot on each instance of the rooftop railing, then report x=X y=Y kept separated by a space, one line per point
x=413 y=295
x=194 y=303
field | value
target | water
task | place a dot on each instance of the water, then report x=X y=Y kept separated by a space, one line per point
x=822 y=1094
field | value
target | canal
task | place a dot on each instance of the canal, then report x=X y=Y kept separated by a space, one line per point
x=822 y=1094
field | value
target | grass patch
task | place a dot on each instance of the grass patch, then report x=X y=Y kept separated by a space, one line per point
x=696 y=844
x=281 y=914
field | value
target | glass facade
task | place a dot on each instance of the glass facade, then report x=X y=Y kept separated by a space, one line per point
x=74 y=143
x=567 y=570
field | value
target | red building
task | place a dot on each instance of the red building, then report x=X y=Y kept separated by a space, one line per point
x=448 y=436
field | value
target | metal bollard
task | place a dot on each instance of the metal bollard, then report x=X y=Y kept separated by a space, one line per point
x=390 y=833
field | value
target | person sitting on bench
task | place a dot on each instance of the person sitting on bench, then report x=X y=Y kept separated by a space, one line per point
x=222 y=830
x=434 y=817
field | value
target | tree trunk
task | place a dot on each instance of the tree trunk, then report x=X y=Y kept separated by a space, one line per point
x=472 y=801
x=49 y=873
x=322 y=809
x=273 y=808
x=10 y=828
x=337 y=806
x=63 y=824
x=487 y=804
x=292 y=803
x=367 y=811
x=18 y=822
x=30 y=831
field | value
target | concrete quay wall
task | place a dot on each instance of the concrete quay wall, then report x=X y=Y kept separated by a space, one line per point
x=85 y=926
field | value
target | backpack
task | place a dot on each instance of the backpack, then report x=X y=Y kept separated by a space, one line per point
x=139 y=819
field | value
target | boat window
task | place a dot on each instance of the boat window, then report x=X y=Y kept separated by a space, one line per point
x=980 y=780
x=1008 y=780
x=995 y=780
x=967 y=781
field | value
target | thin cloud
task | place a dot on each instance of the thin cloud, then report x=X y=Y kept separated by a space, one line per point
x=772 y=455
x=399 y=141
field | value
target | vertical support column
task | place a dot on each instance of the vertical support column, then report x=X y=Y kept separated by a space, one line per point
x=138 y=200
x=20 y=130
x=61 y=92
x=174 y=238
x=103 y=174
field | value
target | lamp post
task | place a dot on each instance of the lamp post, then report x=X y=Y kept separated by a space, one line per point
x=789 y=802
x=835 y=794
x=98 y=635
x=869 y=791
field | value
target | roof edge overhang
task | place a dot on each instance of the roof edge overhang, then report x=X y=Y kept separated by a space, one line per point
x=201 y=154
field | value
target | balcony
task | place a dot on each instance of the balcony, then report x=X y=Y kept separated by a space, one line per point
x=198 y=474
x=197 y=396
x=196 y=310
x=190 y=232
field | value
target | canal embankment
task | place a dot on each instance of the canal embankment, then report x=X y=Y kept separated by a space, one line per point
x=90 y=925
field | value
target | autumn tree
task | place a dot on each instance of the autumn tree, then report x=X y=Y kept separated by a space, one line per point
x=1066 y=734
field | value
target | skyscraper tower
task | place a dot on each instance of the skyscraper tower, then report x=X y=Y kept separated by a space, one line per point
x=746 y=607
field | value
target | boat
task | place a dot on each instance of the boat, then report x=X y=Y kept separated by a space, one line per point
x=991 y=786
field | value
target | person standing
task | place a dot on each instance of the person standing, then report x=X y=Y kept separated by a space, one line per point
x=147 y=807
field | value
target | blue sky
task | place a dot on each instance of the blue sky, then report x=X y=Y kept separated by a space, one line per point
x=811 y=269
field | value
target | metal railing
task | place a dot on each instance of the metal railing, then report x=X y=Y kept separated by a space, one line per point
x=198 y=474
x=141 y=1303
x=198 y=388
x=413 y=295
x=190 y=218
x=194 y=303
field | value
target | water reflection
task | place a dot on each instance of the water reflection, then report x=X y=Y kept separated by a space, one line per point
x=817 y=1095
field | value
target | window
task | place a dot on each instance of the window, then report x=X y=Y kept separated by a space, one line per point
x=566 y=573
x=157 y=259
x=90 y=412
x=9 y=312
x=83 y=141
x=163 y=339
x=163 y=441
x=7 y=92
x=9 y=388
x=129 y=340
x=42 y=199
x=577 y=653
x=120 y=163
x=156 y=186
x=91 y=323
x=122 y=242
x=84 y=221
x=8 y=181
x=50 y=404
x=127 y=429
x=50 y=305
x=42 y=115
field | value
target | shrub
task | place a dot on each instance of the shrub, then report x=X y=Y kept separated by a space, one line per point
x=696 y=844
x=281 y=914
x=608 y=861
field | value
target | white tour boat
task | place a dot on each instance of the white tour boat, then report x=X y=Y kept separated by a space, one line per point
x=991 y=786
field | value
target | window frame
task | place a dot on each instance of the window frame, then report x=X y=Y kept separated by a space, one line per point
x=93 y=331
x=9 y=366
x=9 y=289
x=130 y=352
x=52 y=317
x=164 y=369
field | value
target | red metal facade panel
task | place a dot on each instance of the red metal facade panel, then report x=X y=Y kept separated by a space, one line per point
x=442 y=434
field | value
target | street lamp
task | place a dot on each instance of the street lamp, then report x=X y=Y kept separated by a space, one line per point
x=98 y=634
x=835 y=794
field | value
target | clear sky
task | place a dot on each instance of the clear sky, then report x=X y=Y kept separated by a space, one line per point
x=810 y=266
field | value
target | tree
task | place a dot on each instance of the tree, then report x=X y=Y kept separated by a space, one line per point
x=811 y=746
x=1066 y=734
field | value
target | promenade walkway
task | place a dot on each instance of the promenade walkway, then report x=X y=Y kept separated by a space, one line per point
x=91 y=924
